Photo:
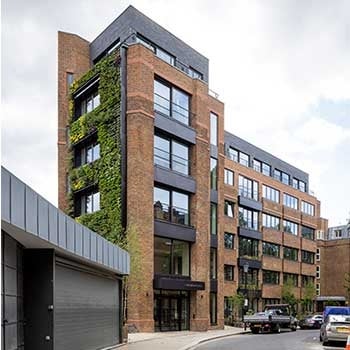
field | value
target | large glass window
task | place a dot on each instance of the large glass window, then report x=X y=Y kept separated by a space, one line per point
x=88 y=103
x=250 y=278
x=165 y=56
x=86 y=154
x=307 y=208
x=290 y=201
x=266 y=169
x=271 y=277
x=232 y=154
x=285 y=178
x=290 y=253
x=171 y=102
x=277 y=174
x=248 y=218
x=87 y=203
x=171 y=206
x=302 y=186
x=213 y=129
x=213 y=263
x=171 y=154
x=290 y=227
x=292 y=277
x=247 y=188
x=213 y=218
x=213 y=174
x=271 y=194
x=213 y=308
x=228 y=272
x=248 y=247
x=307 y=232
x=228 y=240
x=171 y=256
x=229 y=208
x=244 y=159
x=307 y=257
x=305 y=280
x=271 y=221
x=257 y=165
x=228 y=177
x=271 y=249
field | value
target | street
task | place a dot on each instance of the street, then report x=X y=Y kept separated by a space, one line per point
x=299 y=340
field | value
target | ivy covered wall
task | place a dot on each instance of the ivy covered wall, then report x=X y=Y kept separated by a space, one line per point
x=106 y=171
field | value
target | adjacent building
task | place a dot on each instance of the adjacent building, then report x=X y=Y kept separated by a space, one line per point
x=61 y=282
x=142 y=146
x=333 y=267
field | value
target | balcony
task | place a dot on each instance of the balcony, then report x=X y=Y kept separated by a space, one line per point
x=251 y=290
x=253 y=261
x=249 y=199
x=249 y=233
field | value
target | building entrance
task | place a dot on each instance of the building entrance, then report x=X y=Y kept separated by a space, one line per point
x=171 y=310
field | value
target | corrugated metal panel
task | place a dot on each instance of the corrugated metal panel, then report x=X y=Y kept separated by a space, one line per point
x=62 y=233
x=31 y=211
x=70 y=224
x=5 y=196
x=86 y=242
x=86 y=310
x=43 y=211
x=53 y=224
x=17 y=204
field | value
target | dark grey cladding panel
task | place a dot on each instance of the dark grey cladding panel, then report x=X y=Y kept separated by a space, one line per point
x=5 y=196
x=256 y=152
x=253 y=264
x=86 y=242
x=62 y=229
x=43 y=211
x=173 y=127
x=249 y=203
x=213 y=286
x=213 y=241
x=53 y=224
x=93 y=246
x=99 y=249
x=70 y=235
x=214 y=196
x=78 y=239
x=171 y=178
x=17 y=204
x=169 y=230
x=246 y=232
x=132 y=21
x=177 y=283
x=214 y=151
x=32 y=211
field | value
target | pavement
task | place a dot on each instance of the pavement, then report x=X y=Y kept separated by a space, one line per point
x=184 y=340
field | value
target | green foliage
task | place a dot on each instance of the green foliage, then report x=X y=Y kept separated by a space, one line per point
x=105 y=172
x=287 y=294
x=347 y=285
x=309 y=294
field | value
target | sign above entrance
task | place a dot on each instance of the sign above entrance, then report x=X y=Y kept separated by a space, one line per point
x=177 y=284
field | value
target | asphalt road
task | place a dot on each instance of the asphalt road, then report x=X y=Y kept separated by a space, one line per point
x=299 y=340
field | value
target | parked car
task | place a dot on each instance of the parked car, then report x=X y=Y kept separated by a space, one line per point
x=311 y=321
x=335 y=328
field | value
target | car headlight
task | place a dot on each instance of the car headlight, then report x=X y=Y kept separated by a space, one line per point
x=328 y=327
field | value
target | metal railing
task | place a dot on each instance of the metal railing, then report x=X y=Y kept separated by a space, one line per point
x=163 y=211
x=171 y=161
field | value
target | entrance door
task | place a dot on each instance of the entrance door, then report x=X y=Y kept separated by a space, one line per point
x=171 y=311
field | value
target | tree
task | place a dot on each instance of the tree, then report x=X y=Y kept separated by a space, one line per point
x=288 y=296
x=237 y=302
x=309 y=294
x=347 y=285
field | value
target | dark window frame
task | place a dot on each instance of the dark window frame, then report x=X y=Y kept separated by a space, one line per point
x=228 y=245
x=229 y=273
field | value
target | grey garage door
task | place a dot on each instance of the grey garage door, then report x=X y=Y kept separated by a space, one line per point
x=86 y=309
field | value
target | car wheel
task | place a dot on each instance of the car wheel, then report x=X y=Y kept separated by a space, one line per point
x=325 y=343
x=277 y=328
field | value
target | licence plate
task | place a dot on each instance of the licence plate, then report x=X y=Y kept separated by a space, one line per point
x=343 y=329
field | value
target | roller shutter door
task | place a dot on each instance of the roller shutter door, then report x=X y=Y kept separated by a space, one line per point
x=86 y=309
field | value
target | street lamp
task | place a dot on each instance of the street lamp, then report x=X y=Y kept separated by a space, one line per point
x=245 y=270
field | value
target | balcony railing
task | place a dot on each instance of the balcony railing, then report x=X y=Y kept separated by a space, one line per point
x=248 y=193
x=163 y=211
x=171 y=161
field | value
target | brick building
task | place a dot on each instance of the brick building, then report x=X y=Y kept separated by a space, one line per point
x=205 y=204
x=333 y=266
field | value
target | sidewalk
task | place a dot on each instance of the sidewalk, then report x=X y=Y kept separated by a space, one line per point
x=184 y=340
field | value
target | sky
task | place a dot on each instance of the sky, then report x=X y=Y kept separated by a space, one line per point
x=282 y=68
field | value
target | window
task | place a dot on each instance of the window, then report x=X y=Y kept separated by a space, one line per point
x=171 y=154
x=247 y=188
x=213 y=264
x=307 y=232
x=257 y=165
x=229 y=208
x=171 y=257
x=232 y=154
x=318 y=271
x=250 y=278
x=248 y=247
x=320 y=234
x=318 y=289
x=194 y=74
x=291 y=277
x=271 y=249
x=338 y=233
x=87 y=203
x=213 y=308
x=290 y=201
x=228 y=177
x=270 y=221
x=213 y=174
x=271 y=194
x=318 y=254
x=165 y=56
x=277 y=174
x=87 y=153
x=88 y=103
x=266 y=169
x=271 y=277
x=228 y=307
x=290 y=227
x=295 y=183
x=228 y=272
x=171 y=102
x=302 y=186
x=285 y=178
x=213 y=129
x=213 y=218
x=243 y=159
x=307 y=257
x=305 y=280
x=171 y=206
x=307 y=208
x=248 y=218
x=290 y=253
x=70 y=79
x=228 y=240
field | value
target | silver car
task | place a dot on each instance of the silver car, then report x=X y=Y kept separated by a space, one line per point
x=335 y=328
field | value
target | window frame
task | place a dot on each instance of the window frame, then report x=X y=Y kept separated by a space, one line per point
x=230 y=246
x=227 y=177
x=231 y=274
x=229 y=204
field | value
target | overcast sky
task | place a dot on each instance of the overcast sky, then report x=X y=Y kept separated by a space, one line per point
x=282 y=68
